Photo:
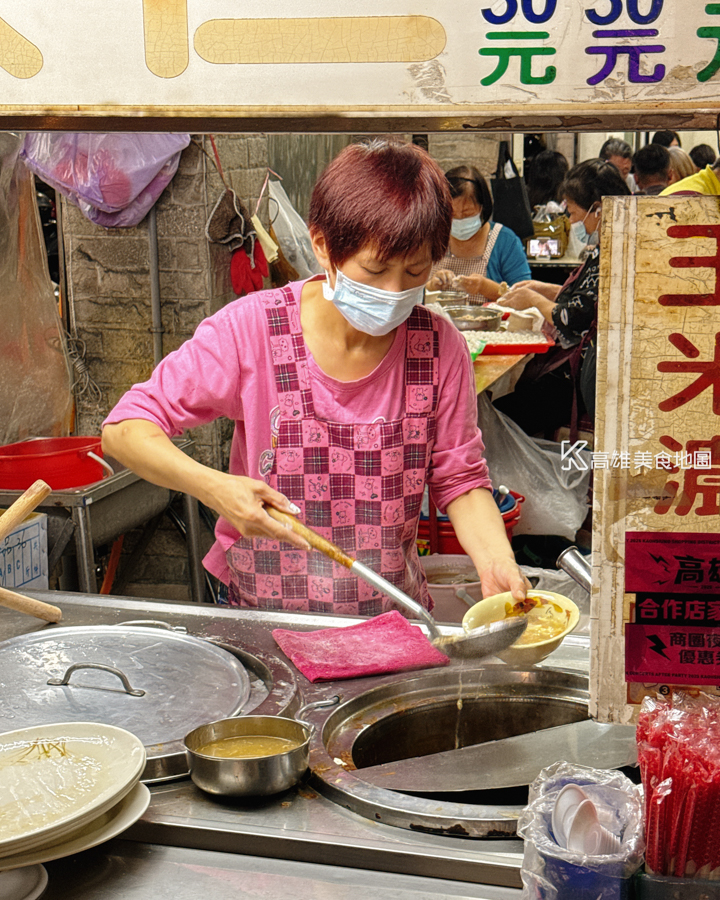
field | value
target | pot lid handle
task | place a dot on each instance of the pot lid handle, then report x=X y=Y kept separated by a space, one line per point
x=121 y=675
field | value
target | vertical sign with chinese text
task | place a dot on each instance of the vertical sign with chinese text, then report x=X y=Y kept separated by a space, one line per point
x=656 y=541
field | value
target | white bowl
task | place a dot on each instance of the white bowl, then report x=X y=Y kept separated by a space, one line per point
x=566 y=804
x=587 y=836
x=495 y=609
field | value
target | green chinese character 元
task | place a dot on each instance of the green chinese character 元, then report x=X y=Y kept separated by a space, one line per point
x=525 y=54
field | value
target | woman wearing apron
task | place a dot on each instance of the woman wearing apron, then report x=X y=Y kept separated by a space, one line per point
x=348 y=398
x=482 y=254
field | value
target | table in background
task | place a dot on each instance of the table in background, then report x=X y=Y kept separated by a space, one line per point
x=490 y=369
x=553 y=271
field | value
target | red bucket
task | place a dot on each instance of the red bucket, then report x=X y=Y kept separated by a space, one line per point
x=61 y=462
x=447 y=539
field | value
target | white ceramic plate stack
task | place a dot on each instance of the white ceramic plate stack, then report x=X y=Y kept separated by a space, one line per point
x=64 y=788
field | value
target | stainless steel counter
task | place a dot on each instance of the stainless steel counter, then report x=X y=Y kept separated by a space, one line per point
x=299 y=842
x=124 y=870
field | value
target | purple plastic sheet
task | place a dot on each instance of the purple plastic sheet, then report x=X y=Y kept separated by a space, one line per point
x=114 y=179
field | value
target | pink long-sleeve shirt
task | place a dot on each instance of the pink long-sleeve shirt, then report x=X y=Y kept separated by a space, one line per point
x=226 y=369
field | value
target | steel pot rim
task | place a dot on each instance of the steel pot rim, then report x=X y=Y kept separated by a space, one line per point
x=306 y=727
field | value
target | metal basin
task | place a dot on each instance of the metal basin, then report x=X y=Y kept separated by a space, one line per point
x=256 y=776
x=412 y=716
x=437 y=726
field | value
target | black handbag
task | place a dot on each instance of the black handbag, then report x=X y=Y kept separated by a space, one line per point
x=511 y=206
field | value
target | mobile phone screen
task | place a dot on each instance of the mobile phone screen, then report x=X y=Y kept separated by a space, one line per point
x=543 y=247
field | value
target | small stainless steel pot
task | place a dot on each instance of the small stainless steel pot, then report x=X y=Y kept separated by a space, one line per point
x=252 y=776
x=451 y=298
x=474 y=318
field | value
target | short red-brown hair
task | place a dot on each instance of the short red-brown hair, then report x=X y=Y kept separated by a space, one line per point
x=385 y=194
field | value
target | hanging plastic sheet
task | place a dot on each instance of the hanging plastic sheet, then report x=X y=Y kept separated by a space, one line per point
x=35 y=383
x=114 y=179
x=555 y=487
x=292 y=233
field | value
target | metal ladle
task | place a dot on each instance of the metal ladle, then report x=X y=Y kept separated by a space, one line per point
x=474 y=644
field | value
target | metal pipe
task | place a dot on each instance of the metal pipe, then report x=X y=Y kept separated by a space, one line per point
x=385 y=587
x=192 y=518
x=157 y=326
x=577 y=567
x=68 y=315
x=84 y=548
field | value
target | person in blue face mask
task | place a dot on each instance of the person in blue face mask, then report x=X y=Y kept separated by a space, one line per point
x=543 y=398
x=349 y=398
x=482 y=254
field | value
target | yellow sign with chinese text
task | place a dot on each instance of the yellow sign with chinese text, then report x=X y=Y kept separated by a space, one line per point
x=500 y=59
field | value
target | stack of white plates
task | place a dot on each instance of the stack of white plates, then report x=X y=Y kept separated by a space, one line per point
x=65 y=788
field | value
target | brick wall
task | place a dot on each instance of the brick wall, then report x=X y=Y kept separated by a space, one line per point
x=458 y=149
x=109 y=291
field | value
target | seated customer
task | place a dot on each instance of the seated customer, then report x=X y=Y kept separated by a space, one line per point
x=681 y=166
x=703 y=155
x=666 y=139
x=544 y=176
x=544 y=396
x=620 y=154
x=482 y=254
x=652 y=169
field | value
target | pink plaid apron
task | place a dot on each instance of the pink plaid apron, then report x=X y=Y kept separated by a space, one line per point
x=359 y=485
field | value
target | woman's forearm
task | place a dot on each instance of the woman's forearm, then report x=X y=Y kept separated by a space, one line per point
x=549 y=291
x=145 y=448
x=546 y=307
x=479 y=527
x=481 y=531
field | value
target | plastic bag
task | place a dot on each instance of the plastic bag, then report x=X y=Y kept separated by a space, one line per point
x=555 y=499
x=546 y=212
x=557 y=229
x=35 y=383
x=679 y=755
x=551 y=872
x=292 y=234
x=576 y=249
x=114 y=179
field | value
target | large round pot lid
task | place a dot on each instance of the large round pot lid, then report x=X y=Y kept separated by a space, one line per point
x=177 y=682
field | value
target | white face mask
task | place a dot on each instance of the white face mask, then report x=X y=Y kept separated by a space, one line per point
x=371 y=310
x=464 y=229
x=581 y=232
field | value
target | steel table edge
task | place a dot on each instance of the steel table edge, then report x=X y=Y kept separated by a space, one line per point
x=475 y=867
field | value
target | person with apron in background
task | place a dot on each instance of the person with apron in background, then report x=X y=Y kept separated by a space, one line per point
x=484 y=258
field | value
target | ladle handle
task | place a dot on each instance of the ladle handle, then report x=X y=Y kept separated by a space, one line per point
x=385 y=587
x=312 y=537
x=23 y=604
x=23 y=506
x=356 y=567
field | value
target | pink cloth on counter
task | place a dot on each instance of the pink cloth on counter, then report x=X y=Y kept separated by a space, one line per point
x=226 y=369
x=379 y=646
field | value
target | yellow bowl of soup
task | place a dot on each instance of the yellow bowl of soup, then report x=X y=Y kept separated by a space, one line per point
x=551 y=617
